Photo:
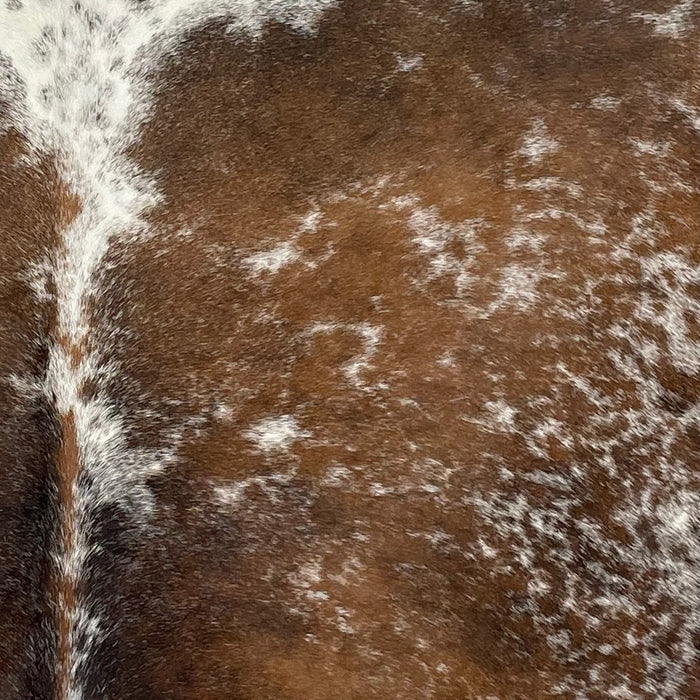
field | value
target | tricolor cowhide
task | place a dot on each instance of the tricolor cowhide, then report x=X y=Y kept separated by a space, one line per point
x=349 y=349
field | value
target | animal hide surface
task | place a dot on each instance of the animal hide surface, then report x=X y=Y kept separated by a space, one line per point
x=349 y=349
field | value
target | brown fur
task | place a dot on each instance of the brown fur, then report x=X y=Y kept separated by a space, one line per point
x=213 y=600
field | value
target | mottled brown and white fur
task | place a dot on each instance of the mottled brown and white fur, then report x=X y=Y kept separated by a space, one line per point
x=349 y=349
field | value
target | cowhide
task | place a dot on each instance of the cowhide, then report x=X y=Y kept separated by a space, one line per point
x=349 y=349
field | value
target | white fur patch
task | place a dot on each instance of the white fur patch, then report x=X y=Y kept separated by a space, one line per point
x=275 y=434
x=537 y=143
x=274 y=260
x=674 y=23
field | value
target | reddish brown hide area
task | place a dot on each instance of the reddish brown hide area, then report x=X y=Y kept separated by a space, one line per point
x=414 y=318
x=447 y=522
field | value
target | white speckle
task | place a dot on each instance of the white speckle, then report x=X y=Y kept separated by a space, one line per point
x=342 y=616
x=672 y=24
x=351 y=572
x=523 y=239
x=692 y=113
x=537 y=143
x=222 y=412
x=277 y=433
x=377 y=489
x=446 y=360
x=476 y=80
x=472 y=5
x=487 y=550
x=606 y=103
x=545 y=184
x=559 y=641
x=272 y=261
x=37 y=275
x=232 y=493
x=406 y=64
x=403 y=201
x=654 y=148
x=310 y=221
x=371 y=338
x=518 y=287
x=680 y=516
x=433 y=236
x=336 y=477
x=499 y=415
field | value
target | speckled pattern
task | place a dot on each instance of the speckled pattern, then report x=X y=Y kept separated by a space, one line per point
x=349 y=350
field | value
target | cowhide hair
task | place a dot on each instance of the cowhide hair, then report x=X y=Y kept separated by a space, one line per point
x=349 y=349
